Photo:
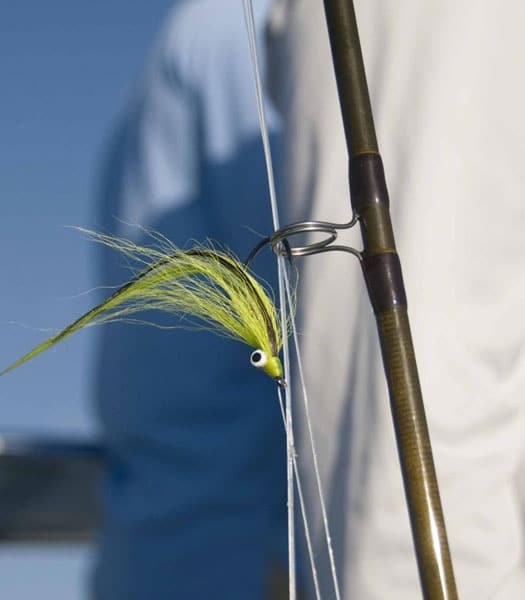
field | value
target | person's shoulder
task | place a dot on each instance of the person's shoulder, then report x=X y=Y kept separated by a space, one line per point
x=198 y=32
x=211 y=19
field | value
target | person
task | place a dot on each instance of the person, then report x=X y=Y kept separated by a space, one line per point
x=195 y=491
x=447 y=106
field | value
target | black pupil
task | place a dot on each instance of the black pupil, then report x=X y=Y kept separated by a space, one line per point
x=256 y=357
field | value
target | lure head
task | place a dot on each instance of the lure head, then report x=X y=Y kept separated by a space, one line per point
x=271 y=365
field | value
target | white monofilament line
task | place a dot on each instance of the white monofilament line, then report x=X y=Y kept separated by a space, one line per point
x=314 y=451
x=303 y=508
x=290 y=446
x=290 y=443
x=285 y=295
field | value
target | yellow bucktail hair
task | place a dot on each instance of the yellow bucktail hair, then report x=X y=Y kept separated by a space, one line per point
x=205 y=287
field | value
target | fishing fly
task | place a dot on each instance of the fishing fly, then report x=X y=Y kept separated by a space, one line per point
x=206 y=287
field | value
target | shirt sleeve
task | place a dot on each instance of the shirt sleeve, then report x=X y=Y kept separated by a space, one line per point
x=160 y=171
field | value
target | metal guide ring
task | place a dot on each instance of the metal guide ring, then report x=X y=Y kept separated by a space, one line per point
x=280 y=240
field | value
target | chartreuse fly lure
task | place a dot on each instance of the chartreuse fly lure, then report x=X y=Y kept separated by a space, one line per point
x=205 y=287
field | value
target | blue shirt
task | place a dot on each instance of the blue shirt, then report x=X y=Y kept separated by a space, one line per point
x=195 y=493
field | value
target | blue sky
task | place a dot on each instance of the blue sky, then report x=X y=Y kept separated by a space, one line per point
x=66 y=69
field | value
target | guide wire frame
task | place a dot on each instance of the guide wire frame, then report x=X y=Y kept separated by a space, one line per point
x=280 y=243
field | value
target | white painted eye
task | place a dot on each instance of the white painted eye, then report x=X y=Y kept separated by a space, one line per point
x=258 y=359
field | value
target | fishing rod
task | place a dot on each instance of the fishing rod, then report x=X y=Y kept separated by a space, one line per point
x=382 y=272
x=214 y=287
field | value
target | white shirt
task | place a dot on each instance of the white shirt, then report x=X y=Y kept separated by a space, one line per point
x=447 y=90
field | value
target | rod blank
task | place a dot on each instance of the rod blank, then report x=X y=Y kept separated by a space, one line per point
x=383 y=276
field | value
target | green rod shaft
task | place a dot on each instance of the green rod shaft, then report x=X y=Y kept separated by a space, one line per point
x=382 y=272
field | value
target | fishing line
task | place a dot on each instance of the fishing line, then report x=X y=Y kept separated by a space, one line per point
x=304 y=515
x=286 y=295
x=317 y=473
x=290 y=447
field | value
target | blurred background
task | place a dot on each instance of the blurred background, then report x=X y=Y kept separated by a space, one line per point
x=66 y=70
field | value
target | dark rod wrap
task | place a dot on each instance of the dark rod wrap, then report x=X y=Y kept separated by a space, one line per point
x=384 y=281
x=367 y=180
x=382 y=272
